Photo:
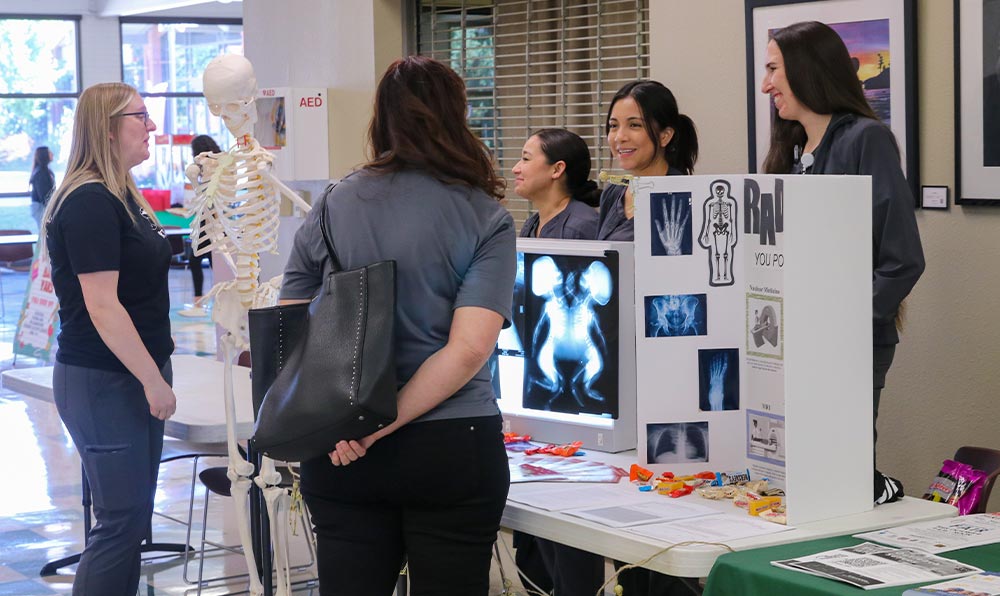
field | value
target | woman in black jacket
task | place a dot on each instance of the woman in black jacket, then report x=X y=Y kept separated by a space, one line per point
x=42 y=182
x=822 y=124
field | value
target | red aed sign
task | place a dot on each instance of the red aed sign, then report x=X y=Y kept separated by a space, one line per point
x=311 y=102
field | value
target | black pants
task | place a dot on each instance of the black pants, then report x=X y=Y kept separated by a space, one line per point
x=557 y=568
x=881 y=361
x=431 y=495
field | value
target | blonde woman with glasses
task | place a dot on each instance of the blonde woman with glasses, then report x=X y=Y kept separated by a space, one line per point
x=112 y=378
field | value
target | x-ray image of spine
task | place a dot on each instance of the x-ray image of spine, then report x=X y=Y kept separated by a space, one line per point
x=671 y=220
x=571 y=320
x=765 y=327
x=673 y=315
x=677 y=443
x=718 y=233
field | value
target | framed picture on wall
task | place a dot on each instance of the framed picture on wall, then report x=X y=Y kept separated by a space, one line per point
x=977 y=102
x=881 y=38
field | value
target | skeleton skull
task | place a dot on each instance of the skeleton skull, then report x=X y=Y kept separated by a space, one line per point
x=230 y=88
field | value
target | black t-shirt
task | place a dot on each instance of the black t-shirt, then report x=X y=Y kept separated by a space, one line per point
x=92 y=232
x=42 y=181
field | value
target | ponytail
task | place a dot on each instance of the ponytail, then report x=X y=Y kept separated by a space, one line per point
x=682 y=151
x=587 y=193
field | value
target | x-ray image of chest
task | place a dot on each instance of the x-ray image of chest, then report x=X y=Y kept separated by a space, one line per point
x=571 y=334
x=677 y=443
x=676 y=314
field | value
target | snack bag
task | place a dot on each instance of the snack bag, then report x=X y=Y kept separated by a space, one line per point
x=957 y=484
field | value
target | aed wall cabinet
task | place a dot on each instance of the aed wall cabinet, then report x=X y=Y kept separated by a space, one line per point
x=292 y=124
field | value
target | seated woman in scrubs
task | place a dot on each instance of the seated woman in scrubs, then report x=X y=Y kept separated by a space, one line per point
x=553 y=174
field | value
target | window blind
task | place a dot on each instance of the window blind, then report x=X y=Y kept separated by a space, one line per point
x=531 y=64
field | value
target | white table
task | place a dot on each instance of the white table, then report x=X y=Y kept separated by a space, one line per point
x=696 y=560
x=198 y=385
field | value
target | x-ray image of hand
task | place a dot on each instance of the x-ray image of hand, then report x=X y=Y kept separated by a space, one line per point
x=716 y=380
x=675 y=220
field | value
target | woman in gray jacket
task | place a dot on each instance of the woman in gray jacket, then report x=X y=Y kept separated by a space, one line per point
x=822 y=124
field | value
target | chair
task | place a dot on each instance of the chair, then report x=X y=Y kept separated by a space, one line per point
x=216 y=481
x=12 y=253
x=986 y=460
x=174 y=450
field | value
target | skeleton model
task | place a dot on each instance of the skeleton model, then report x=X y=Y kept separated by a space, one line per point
x=236 y=216
x=568 y=329
x=718 y=233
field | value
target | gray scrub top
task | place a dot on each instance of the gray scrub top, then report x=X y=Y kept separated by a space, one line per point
x=453 y=246
x=578 y=221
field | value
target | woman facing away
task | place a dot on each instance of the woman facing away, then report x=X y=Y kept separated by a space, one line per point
x=823 y=124
x=554 y=175
x=427 y=199
x=648 y=136
x=111 y=382
x=42 y=181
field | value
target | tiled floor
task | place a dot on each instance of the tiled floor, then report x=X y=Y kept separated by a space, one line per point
x=41 y=516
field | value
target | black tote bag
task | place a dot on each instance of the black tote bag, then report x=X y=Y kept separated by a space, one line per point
x=325 y=371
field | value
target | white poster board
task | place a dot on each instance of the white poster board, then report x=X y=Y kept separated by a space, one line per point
x=753 y=332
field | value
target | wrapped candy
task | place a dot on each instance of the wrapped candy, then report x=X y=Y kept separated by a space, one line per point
x=958 y=484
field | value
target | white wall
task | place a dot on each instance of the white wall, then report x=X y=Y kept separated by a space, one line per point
x=942 y=389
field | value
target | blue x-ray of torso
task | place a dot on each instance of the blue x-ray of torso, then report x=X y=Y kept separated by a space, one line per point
x=567 y=342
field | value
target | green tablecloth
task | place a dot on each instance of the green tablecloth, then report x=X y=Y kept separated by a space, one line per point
x=169 y=219
x=750 y=573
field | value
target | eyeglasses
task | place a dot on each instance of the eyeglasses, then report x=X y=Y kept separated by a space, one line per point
x=143 y=114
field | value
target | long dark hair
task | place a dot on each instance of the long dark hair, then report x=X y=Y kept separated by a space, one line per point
x=559 y=144
x=822 y=77
x=659 y=112
x=202 y=143
x=43 y=157
x=419 y=122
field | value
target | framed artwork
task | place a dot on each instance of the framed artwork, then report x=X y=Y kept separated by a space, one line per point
x=977 y=102
x=880 y=36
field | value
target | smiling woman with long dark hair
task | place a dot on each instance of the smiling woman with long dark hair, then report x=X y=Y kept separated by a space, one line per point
x=822 y=124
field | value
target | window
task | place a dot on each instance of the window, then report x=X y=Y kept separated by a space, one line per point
x=164 y=59
x=39 y=86
x=531 y=64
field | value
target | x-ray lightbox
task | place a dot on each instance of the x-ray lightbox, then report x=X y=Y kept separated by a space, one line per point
x=565 y=369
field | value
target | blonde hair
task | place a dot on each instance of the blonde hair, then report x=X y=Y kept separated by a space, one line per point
x=93 y=155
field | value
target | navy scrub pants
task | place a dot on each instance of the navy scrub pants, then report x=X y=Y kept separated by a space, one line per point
x=431 y=494
x=120 y=445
